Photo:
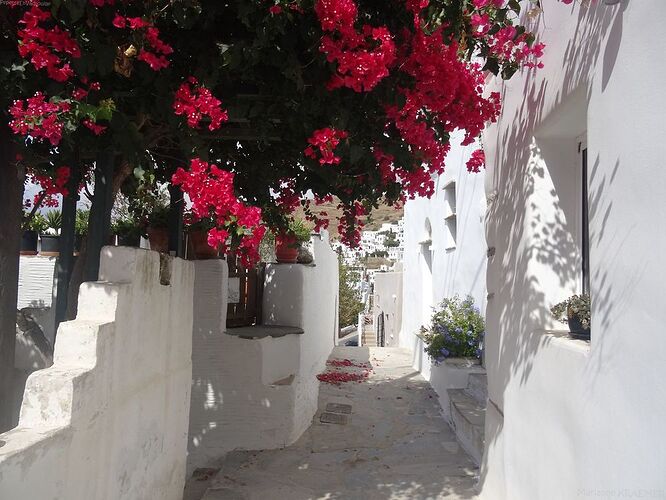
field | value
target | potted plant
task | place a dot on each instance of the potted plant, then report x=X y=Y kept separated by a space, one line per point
x=197 y=233
x=80 y=228
x=456 y=331
x=50 y=238
x=289 y=242
x=158 y=235
x=575 y=311
x=32 y=226
x=128 y=232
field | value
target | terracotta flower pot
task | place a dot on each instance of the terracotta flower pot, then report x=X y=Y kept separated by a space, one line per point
x=159 y=239
x=202 y=250
x=286 y=253
x=29 y=243
x=50 y=246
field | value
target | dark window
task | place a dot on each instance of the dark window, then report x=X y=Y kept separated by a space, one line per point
x=585 y=244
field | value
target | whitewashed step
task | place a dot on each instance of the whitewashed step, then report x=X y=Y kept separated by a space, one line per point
x=477 y=387
x=468 y=421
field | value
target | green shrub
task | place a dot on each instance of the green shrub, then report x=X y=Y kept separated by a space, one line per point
x=81 y=222
x=159 y=217
x=349 y=304
x=300 y=230
x=36 y=223
x=456 y=330
x=126 y=228
x=54 y=220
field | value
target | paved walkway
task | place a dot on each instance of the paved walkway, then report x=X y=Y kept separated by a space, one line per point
x=394 y=444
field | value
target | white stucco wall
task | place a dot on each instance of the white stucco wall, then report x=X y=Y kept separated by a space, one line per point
x=460 y=270
x=260 y=393
x=109 y=419
x=567 y=420
x=387 y=299
x=35 y=290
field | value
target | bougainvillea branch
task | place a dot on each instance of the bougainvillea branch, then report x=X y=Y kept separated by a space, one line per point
x=347 y=99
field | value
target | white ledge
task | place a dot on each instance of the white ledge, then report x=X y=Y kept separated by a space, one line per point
x=561 y=338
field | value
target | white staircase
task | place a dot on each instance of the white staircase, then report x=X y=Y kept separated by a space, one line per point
x=468 y=414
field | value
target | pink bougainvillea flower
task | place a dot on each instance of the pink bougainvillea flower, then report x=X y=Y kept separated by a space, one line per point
x=477 y=161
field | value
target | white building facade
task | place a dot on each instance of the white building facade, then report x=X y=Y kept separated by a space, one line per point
x=444 y=246
x=566 y=418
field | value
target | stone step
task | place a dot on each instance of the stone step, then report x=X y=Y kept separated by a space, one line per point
x=468 y=421
x=477 y=387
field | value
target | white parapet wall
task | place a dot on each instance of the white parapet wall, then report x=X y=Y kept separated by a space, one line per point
x=260 y=393
x=108 y=420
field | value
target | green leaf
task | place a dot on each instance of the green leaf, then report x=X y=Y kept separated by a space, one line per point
x=104 y=113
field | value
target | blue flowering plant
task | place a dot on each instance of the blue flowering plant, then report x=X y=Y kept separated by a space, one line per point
x=456 y=330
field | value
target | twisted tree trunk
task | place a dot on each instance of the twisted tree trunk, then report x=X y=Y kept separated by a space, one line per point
x=77 y=277
x=11 y=197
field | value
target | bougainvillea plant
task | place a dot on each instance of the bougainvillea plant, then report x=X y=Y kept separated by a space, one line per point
x=255 y=108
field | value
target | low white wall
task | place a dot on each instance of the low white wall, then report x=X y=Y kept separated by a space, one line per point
x=260 y=393
x=35 y=291
x=443 y=376
x=109 y=419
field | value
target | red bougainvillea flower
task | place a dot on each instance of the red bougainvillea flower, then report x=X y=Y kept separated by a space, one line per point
x=155 y=50
x=350 y=224
x=38 y=118
x=323 y=143
x=49 y=187
x=275 y=9
x=347 y=362
x=195 y=102
x=477 y=161
x=46 y=47
x=335 y=377
x=363 y=59
x=211 y=192
x=286 y=197
x=508 y=46
x=96 y=129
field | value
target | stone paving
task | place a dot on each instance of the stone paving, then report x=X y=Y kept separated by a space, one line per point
x=393 y=444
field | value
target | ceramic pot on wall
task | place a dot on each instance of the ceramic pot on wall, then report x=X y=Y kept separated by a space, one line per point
x=286 y=253
x=29 y=243
x=50 y=245
x=159 y=239
x=202 y=250
x=576 y=329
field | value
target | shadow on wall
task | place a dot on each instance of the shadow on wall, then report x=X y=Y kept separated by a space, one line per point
x=100 y=409
x=528 y=224
x=259 y=393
